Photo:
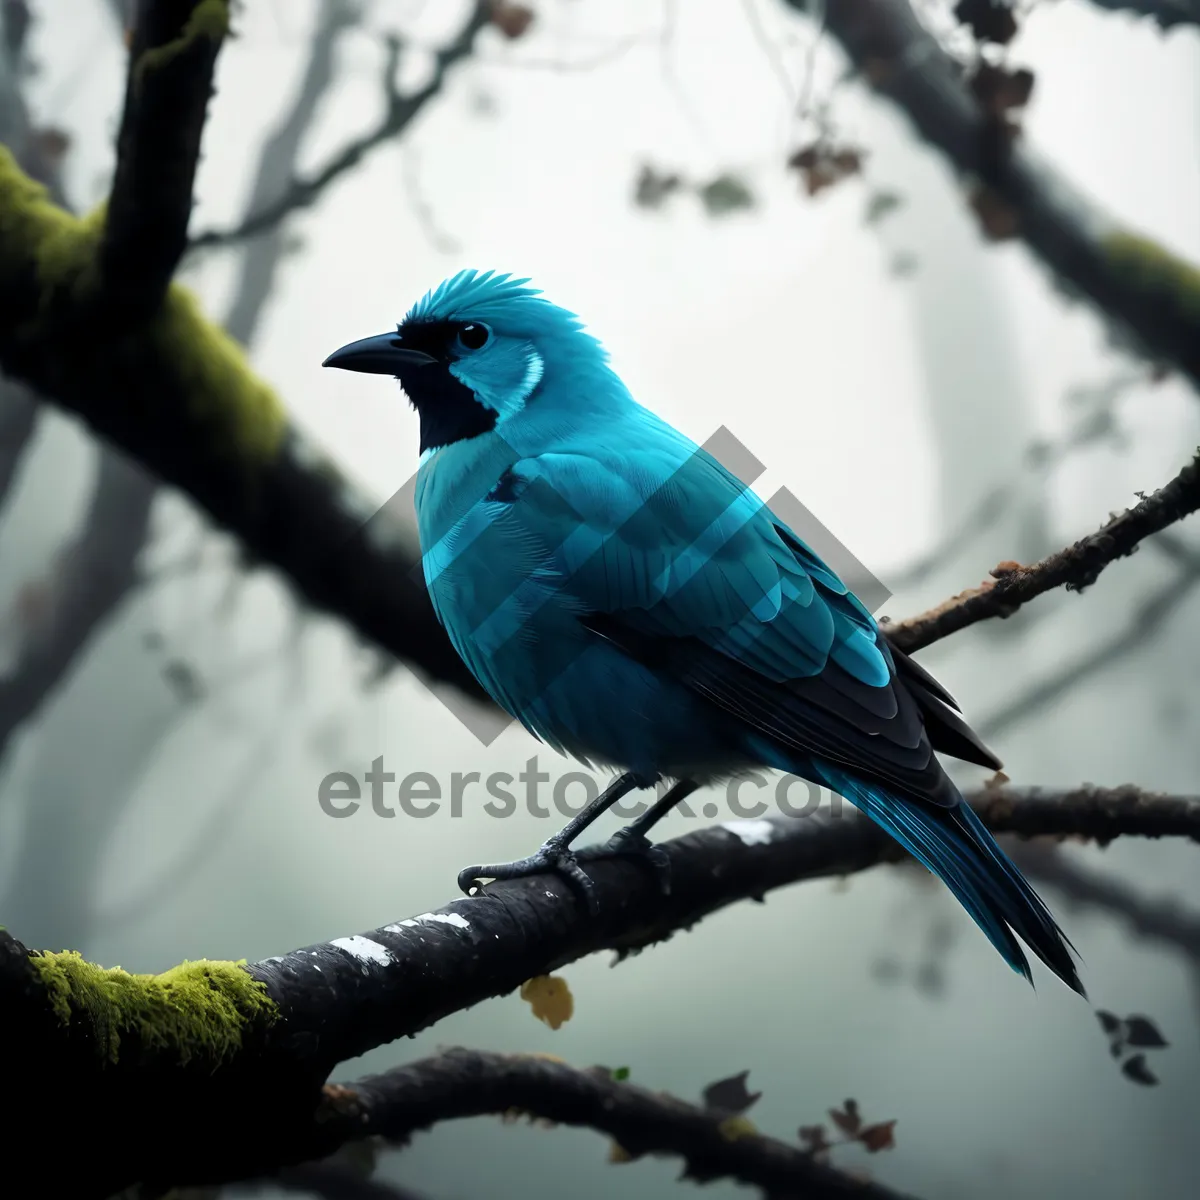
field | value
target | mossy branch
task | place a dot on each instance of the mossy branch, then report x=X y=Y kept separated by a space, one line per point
x=168 y=86
x=198 y=1013
x=1149 y=294
x=181 y=397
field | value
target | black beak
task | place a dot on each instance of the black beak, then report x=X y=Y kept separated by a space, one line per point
x=384 y=354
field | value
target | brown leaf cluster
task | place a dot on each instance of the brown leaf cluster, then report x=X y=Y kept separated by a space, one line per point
x=822 y=164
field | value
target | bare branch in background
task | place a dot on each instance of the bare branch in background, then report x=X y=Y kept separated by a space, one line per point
x=171 y=60
x=1074 y=568
x=1098 y=424
x=1162 y=921
x=61 y=613
x=1145 y=290
x=18 y=422
x=331 y=1182
x=18 y=404
x=89 y=580
x=399 y=112
x=262 y=256
x=1167 y=14
x=1146 y=622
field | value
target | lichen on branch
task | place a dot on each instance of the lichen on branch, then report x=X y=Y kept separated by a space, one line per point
x=195 y=1013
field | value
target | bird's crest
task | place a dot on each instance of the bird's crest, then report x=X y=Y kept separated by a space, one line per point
x=509 y=304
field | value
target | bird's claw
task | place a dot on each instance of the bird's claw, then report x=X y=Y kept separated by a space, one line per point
x=626 y=843
x=552 y=857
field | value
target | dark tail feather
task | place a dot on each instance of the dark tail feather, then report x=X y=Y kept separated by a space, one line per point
x=956 y=846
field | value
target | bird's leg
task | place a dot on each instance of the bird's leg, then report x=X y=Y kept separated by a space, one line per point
x=632 y=841
x=555 y=853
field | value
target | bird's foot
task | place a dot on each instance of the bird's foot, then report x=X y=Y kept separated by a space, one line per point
x=553 y=856
x=629 y=843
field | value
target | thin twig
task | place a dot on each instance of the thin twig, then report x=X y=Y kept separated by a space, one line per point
x=399 y=112
x=466 y=1083
x=1075 y=568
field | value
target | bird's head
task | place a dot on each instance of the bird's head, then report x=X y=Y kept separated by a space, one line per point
x=473 y=352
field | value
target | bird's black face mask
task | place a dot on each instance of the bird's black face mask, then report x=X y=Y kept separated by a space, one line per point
x=419 y=356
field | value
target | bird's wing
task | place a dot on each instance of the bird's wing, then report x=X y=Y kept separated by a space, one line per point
x=673 y=559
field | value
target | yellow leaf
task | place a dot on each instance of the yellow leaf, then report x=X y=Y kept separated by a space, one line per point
x=618 y=1154
x=733 y=1128
x=550 y=999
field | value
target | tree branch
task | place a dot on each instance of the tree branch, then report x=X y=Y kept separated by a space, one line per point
x=19 y=410
x=92 y=577
x=1145 y=622
x=1074 y=568
x=223 y=437
x=18 y=422
x=467 y=1083
x=399 y=112
x=237 y=1053
x=1164 y=921
x=261 y=259
x=171 y=62
x=1166 y=14
x=1152 y=294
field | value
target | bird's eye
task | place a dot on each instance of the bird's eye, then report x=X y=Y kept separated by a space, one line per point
x=474 y=336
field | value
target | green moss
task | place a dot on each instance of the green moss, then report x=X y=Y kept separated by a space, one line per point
x=222 y=396
x=1148 y=265
x=195 y=1011
x=219 y=387
x=209 y=19
x=34 y=229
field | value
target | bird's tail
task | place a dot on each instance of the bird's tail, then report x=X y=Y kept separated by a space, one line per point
x=956 y=846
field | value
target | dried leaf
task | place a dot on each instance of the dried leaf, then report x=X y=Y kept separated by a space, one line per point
x=50 y=143
x=989 y=20
x=1000 y=90
x=184 y=681
x=654 y=186
x=550 y=999
x=730 y=1095
x=881 y=204
x=998 y=218
x=813 y=1137
x=880 y=1136
x=618 y=1154
x=1141 y=1031
x=511 y=19
x=821 y=164
x=847 y=1118
x=1109 y=1022
x=725 y=194
x=1135 y=1068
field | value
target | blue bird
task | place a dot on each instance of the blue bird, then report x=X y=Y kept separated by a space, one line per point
x=634 y=605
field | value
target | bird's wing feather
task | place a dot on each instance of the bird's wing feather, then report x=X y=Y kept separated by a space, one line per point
x=673 y=559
